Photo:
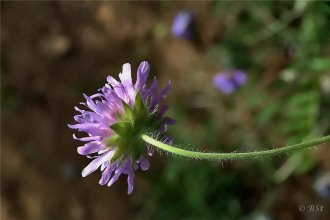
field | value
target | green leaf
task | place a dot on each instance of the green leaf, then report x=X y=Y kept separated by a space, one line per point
x=309 y=162
x=268 y=113
x=320 y=64
x=303 y=98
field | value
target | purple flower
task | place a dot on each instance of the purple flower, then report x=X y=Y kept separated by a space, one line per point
x=114 y=120
x=228 y=82
x=322 y=185
x=183 y=25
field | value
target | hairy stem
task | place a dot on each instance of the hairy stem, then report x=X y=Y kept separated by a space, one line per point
x=224 y=156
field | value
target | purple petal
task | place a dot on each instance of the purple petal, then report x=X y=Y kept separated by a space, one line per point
x=151 y=151
x=103 y=132
x=115 y=176
x=169 y=121
x=79 y=110
x=152 y=90
x=239 y=77
x=168 y=140
x=144 y=163
x=91 y=117
x=90 y=102
x=223 y=83
x=106 y=89
x=123 y=168
x=162 y=110
x=102 y=108
x=93 y=129
x=228 y=82
x=182 y=25
x=107 y=173
x=93 y=138
x=79 y=118
x=89 y=148
x=142 y=75
x=104 y=116
x=109 y=94
x=83 y=126
x=119 y=89
x=130 y=181
x=126 y=168
x=126 y=77
x=104 y=165
x=113 y=100
x=96 y=95
x=94 y=165
x=126 y=80
x=163 y=128
x=162 y=95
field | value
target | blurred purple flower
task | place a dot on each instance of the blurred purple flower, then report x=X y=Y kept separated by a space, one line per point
x=228 y=82
x=322 y=185
x=114 y=121
x=183 y=25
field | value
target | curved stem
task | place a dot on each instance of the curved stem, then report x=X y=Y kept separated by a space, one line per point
x=224 y=156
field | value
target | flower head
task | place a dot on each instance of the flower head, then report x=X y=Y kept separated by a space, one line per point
x=114 y=120
x=183 y=25
x=228 y=82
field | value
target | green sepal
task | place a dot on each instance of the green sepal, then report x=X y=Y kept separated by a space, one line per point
x=122 y=128
x=128 y=112
x=139 y=106
x=119 y=153
x=140 y=113
x=113 y=141
x=131 y=123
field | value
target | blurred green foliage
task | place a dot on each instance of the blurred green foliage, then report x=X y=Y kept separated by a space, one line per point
x=284 y=105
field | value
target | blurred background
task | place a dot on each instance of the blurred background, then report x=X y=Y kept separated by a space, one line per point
x=52 y=52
